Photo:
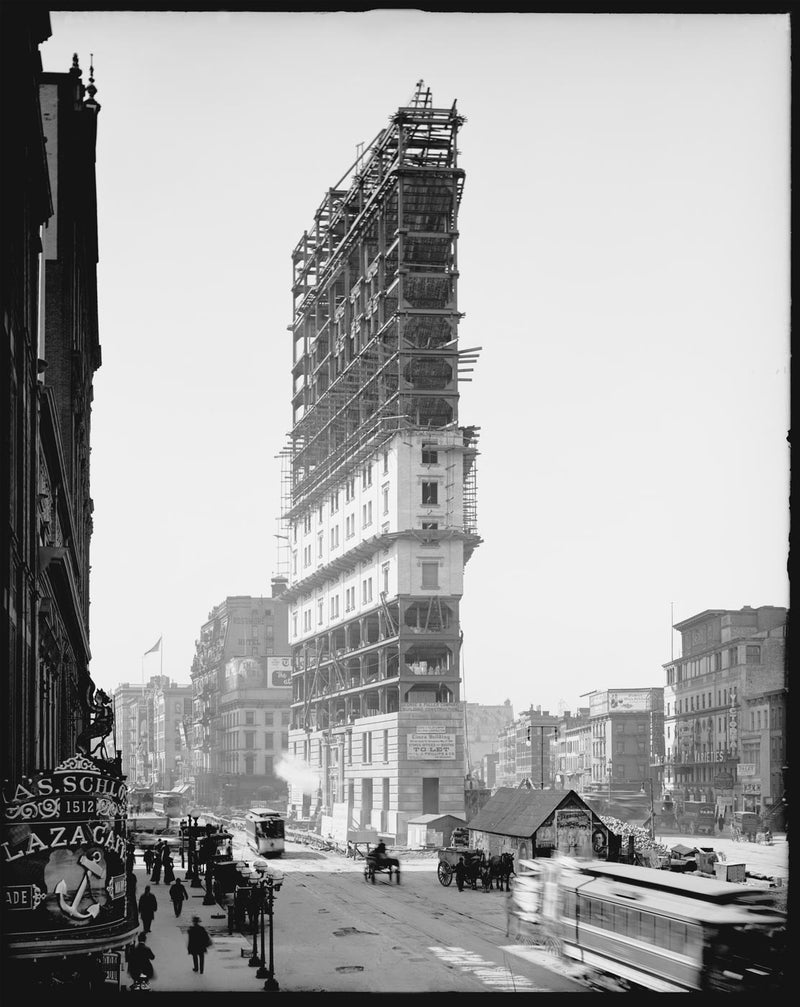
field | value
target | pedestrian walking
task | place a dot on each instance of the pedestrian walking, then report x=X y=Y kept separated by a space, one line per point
x=461 y=873
x=147 y=908
x=148 y=859
x=169 y=871
x=199 y=943
x=155 y=877
x=179 y=895
x=140 y=960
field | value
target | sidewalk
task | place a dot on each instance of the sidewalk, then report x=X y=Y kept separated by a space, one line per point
x=225 y=968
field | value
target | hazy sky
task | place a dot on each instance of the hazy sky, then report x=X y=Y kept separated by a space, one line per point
x=624 y=261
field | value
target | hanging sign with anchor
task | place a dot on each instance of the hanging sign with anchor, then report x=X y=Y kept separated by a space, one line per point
x=63 y=849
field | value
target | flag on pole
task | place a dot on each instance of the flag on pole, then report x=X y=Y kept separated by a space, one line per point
x=155 y=648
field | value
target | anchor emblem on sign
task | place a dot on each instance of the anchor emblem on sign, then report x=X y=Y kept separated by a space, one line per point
x=90 y=866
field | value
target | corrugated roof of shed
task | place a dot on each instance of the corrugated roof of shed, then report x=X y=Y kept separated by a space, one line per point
x=512 y=811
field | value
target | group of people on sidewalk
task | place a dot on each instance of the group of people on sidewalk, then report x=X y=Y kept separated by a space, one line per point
x=157 y=858
x=141 y=957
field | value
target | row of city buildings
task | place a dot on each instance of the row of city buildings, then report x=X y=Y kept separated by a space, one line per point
x=714 y=732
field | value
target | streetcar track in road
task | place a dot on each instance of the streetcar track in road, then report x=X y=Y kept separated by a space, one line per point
x=498 y=977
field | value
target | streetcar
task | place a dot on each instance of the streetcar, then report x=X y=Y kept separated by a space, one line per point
x=167 y=802
x=646 y=929
x=265 y=831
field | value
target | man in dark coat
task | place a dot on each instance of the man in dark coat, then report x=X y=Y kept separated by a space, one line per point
x=461 y=873
x=178 y=894
x=147 y=908
x=148 y=859
x=140 y=959
x=199 y=943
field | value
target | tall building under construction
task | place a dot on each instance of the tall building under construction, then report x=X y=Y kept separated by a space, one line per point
x=379 y=497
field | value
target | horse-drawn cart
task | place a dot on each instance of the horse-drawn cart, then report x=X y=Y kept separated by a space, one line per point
x=376 y=862
x=448 y=858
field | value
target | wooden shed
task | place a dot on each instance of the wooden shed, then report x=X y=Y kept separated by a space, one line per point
x=535 y=823
x=432 y=830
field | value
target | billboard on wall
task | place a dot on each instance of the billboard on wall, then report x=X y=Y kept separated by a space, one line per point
x=630 y=701
x=431 y=741
x=279 y=671
x=63 y=851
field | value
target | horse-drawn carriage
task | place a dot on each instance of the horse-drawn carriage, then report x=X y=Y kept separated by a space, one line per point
x=376 y=862
x=491 y=872
x=449 y=857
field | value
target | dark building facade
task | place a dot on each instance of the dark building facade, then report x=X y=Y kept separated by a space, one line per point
x=49 y=253
x=62 y=908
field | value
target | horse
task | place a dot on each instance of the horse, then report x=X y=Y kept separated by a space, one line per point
x=475 y=867
x=499 y=869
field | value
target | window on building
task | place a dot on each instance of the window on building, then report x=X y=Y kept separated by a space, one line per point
x=335 y=537
x=294 y=561
x=385 y=575
x=294 y=623
x=267 y=741
x=367 y=741
x=307 y=522
x=349 y=489
x=385 y=492
x=430 y=574
x=335 y=606
x=717 y=661
x=286 y=717
x=249 y=764
x=430 y=493
x=321 y=512
x=367 y=513
x=350 y=526
x=334 y=501
x=366 y=476
x=385 y=462
x=269 y=763
x=249 y=717
x=753 y=654
x=320 y=546
x=430 y=456
x=733 y=657
x=366 y=590
x=385 y=746
x=320 y=612
x=430 y=525
x=307 y=555
x=249 y=739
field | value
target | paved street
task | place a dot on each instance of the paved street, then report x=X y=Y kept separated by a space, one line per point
x=336 y=933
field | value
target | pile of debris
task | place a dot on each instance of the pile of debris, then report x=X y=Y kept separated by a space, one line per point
x=643 y=845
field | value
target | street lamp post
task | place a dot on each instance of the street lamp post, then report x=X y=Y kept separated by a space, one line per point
x=258 y=886
x=271 y=882
x=183 y=827
x=192 y=874
x=208 y=898
x=649 y=783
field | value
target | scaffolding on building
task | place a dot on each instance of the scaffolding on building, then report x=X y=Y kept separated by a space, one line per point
x=375 y=317
x=376 y=359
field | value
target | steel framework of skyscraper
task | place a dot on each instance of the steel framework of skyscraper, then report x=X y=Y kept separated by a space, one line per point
x=376 y=358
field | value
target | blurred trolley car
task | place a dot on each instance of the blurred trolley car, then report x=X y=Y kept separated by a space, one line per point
x=648 y=929
x=265 y=829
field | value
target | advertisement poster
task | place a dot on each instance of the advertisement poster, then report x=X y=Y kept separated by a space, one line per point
x=62 y=851
x=279 y=670
x=574 y=832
